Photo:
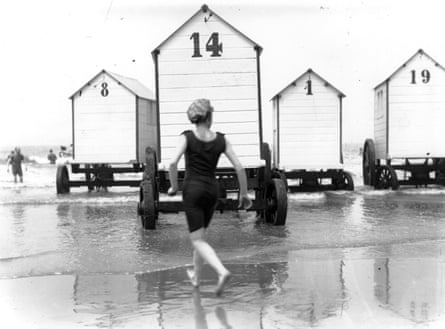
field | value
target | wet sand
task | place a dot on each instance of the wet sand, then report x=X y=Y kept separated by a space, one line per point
x=305 y=289
x=362 y=259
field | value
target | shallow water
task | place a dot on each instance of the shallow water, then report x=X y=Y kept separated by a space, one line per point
x=362 y=259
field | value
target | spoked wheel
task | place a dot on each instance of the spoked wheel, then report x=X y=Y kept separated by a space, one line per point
x=276 y=202
x=62 y=180
x=368 y=163
x=386 y=177
x=147 y=205
x=345 y=182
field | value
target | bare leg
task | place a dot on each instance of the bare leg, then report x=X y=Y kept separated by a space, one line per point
x=208 y=254
x=195 y=274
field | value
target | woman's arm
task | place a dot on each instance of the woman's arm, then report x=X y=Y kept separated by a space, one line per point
x=173 y=169
x=245 y=202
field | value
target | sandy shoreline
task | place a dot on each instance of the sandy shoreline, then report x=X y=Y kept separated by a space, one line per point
x=296 y=293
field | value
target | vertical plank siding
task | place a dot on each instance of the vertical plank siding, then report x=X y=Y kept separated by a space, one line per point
x=228 y=80
x=409 y=110
x=417 y=110
x=308 y=126
x=380 y=121
x=148 y=134
x=104 y=125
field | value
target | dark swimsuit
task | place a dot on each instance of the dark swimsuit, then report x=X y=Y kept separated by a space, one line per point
x=200 y=189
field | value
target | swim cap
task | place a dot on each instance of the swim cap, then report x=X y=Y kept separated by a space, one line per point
x=199 y=110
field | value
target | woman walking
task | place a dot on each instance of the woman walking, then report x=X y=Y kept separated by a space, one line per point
x=202 y=148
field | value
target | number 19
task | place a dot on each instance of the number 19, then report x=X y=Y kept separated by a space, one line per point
x=425 y=74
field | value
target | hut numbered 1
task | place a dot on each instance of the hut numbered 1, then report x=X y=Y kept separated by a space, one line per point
x=307 y=135
x=206 y=57
x=114 y=120
x=409 y=112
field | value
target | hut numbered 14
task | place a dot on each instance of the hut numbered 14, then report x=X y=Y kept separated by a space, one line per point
x=409 y=111
x=206 y=57
x=113 y=121
x=307 y=135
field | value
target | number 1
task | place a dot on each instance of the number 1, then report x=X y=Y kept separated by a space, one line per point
x=308 y=87
x=195 y=37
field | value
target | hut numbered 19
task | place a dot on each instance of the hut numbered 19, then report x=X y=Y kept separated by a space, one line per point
x=409 y=112
x=307 y=135
x=206 y=57
x=113 y=121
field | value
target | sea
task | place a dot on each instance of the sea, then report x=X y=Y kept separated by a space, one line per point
x=345 y=259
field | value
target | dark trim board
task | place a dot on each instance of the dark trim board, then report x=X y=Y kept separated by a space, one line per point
x=278 y=130
x=137 y=128
x=260 y=121
x=387 y=118
x=340 y=98
x=72 y=126
x=155 y=58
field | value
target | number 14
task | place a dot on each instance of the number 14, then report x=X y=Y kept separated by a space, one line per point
x=212 y=45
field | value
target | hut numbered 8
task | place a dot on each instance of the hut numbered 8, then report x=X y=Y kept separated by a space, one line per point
x=206 y=57
x=113 y=122
x=409 y=112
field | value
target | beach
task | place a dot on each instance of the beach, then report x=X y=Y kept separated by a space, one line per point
x=358 y=259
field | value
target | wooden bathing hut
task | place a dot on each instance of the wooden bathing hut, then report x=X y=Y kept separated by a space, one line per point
x=114 y=120
x=307 y=135
x=409 y=112
x=206 y=57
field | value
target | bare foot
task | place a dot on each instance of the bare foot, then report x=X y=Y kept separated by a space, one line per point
x=222 y=281
x=193 y=279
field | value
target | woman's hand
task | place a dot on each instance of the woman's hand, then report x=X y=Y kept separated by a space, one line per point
x=244 y=202
x=171 y=191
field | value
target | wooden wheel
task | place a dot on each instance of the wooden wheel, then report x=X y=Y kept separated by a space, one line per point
x=368 y=163
x=149 y=192
x=276 y=202
x=281 y=175
x=345 y=182
x=147 y=205
x=386 y=177
x=62 y=180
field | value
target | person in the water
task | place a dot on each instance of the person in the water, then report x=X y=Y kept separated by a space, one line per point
x=202 y=148
x=52 y=157
x=16 y=164
x=9 y=160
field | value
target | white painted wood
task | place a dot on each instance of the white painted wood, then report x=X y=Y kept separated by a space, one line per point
x=228 y=81
x=380 y=109
x=308 y=125
x=416 y=112
x=148 y=136
x=208 y=80
x=105 y=127
x=216 y=93
x=172 y=55
x=217 y=65
x=224 y=105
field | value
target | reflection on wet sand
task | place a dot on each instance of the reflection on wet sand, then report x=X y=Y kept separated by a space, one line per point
x=259 y=294
x=414 y=289
x=378 y=293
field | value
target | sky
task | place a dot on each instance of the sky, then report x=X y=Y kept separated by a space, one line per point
x=50 y=48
